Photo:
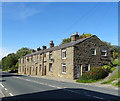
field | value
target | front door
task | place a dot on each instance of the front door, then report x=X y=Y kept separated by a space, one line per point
x=45 y=70
x=78 y=71
x=30 y=70
x=36 y=70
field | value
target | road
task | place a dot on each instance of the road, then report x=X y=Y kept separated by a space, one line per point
x=27 y=88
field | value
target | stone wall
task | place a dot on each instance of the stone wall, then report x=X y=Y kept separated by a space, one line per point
x=37 y=65
x=57 y=64
x=83 y=54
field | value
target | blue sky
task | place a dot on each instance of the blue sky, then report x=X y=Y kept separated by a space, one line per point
x=33 y=24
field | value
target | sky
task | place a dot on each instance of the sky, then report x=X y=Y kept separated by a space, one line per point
x=34 y=24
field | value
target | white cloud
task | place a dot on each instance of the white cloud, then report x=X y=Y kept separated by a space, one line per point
x=27 y=12
x=4 y=52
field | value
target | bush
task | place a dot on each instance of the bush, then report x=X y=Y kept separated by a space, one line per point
x=116 y=62
x=95 y=73
x=110 y=68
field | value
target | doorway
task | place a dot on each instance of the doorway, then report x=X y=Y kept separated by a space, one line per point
x=45 y=71
x=36 y=70
x=30 y=71
x=78 y=71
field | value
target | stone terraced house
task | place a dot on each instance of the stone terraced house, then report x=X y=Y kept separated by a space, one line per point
x=68 y=60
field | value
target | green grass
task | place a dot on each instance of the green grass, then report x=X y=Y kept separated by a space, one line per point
x=117 y=84
x=107 y=82
x=115 y=76
x=88 y=81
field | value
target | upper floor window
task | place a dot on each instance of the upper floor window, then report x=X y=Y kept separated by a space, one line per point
x=28 y=59
x=93 y=51
x=50 y=55
x=63 y=68
x=64 y=54
x=50 y=67
x=104 y=52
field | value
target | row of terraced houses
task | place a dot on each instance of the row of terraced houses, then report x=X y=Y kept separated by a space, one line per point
x=68 y=60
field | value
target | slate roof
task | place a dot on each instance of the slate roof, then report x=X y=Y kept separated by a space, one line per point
x=61 y=46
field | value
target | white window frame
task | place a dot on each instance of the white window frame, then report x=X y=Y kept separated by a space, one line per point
x=64 y=65
x=105 y=51
x=93 y=49
x=63 y=53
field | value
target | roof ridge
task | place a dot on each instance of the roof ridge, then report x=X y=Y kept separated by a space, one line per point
x=72 y=43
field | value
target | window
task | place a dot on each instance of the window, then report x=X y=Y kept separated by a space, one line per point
x=40 y=68
x=85 y=68
x=50 y=67
x=93 y=51
x=63 y=68
x=104 y=52
x=27 y=59
x=50 y=55
x=64 y=54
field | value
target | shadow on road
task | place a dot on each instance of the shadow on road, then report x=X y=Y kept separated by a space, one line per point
x=63 y=94
x=9 y=75
x=2 y=80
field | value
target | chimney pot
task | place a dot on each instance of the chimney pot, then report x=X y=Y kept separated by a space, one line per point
x=74 y=37
x=51 y=44
x=44 y=47
x=38 y=49
x=76 y=33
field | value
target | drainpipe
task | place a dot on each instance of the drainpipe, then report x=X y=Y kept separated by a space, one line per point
x=43 y=65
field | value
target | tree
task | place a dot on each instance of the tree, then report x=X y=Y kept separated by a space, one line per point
x=85 y=35
x=115 y=50
x=10 y=62
x=66 y=40
x=22 y=52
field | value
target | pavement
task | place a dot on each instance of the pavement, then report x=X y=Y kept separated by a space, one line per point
x=30 y=88
x=98 y=84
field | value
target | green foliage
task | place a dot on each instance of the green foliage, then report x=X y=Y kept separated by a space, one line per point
x=10 y=62
x=22 y=52
x=110 y=67
x=107 y=82
x=117 y=84
x=67 y=40
x=116 y=74
x=115 y=50
x=94 y=74
x=85 y=35
x=113 y=77
x=116 y=62
x=85 y=81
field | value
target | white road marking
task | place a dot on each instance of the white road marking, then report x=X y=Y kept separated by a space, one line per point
x=97 y=97
x=58 y=88
x=72 y=91
x=11 y=94
x=1 y=85
x=85 y=95
x=5 y=88
x=88 y=95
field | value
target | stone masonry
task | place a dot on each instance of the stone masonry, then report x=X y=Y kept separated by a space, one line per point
x=68 y=60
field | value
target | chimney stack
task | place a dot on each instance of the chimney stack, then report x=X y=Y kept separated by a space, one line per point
x=51 y=44
x=74 y=37
x=33 y=50
x=38 y=49
x=44 y=47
